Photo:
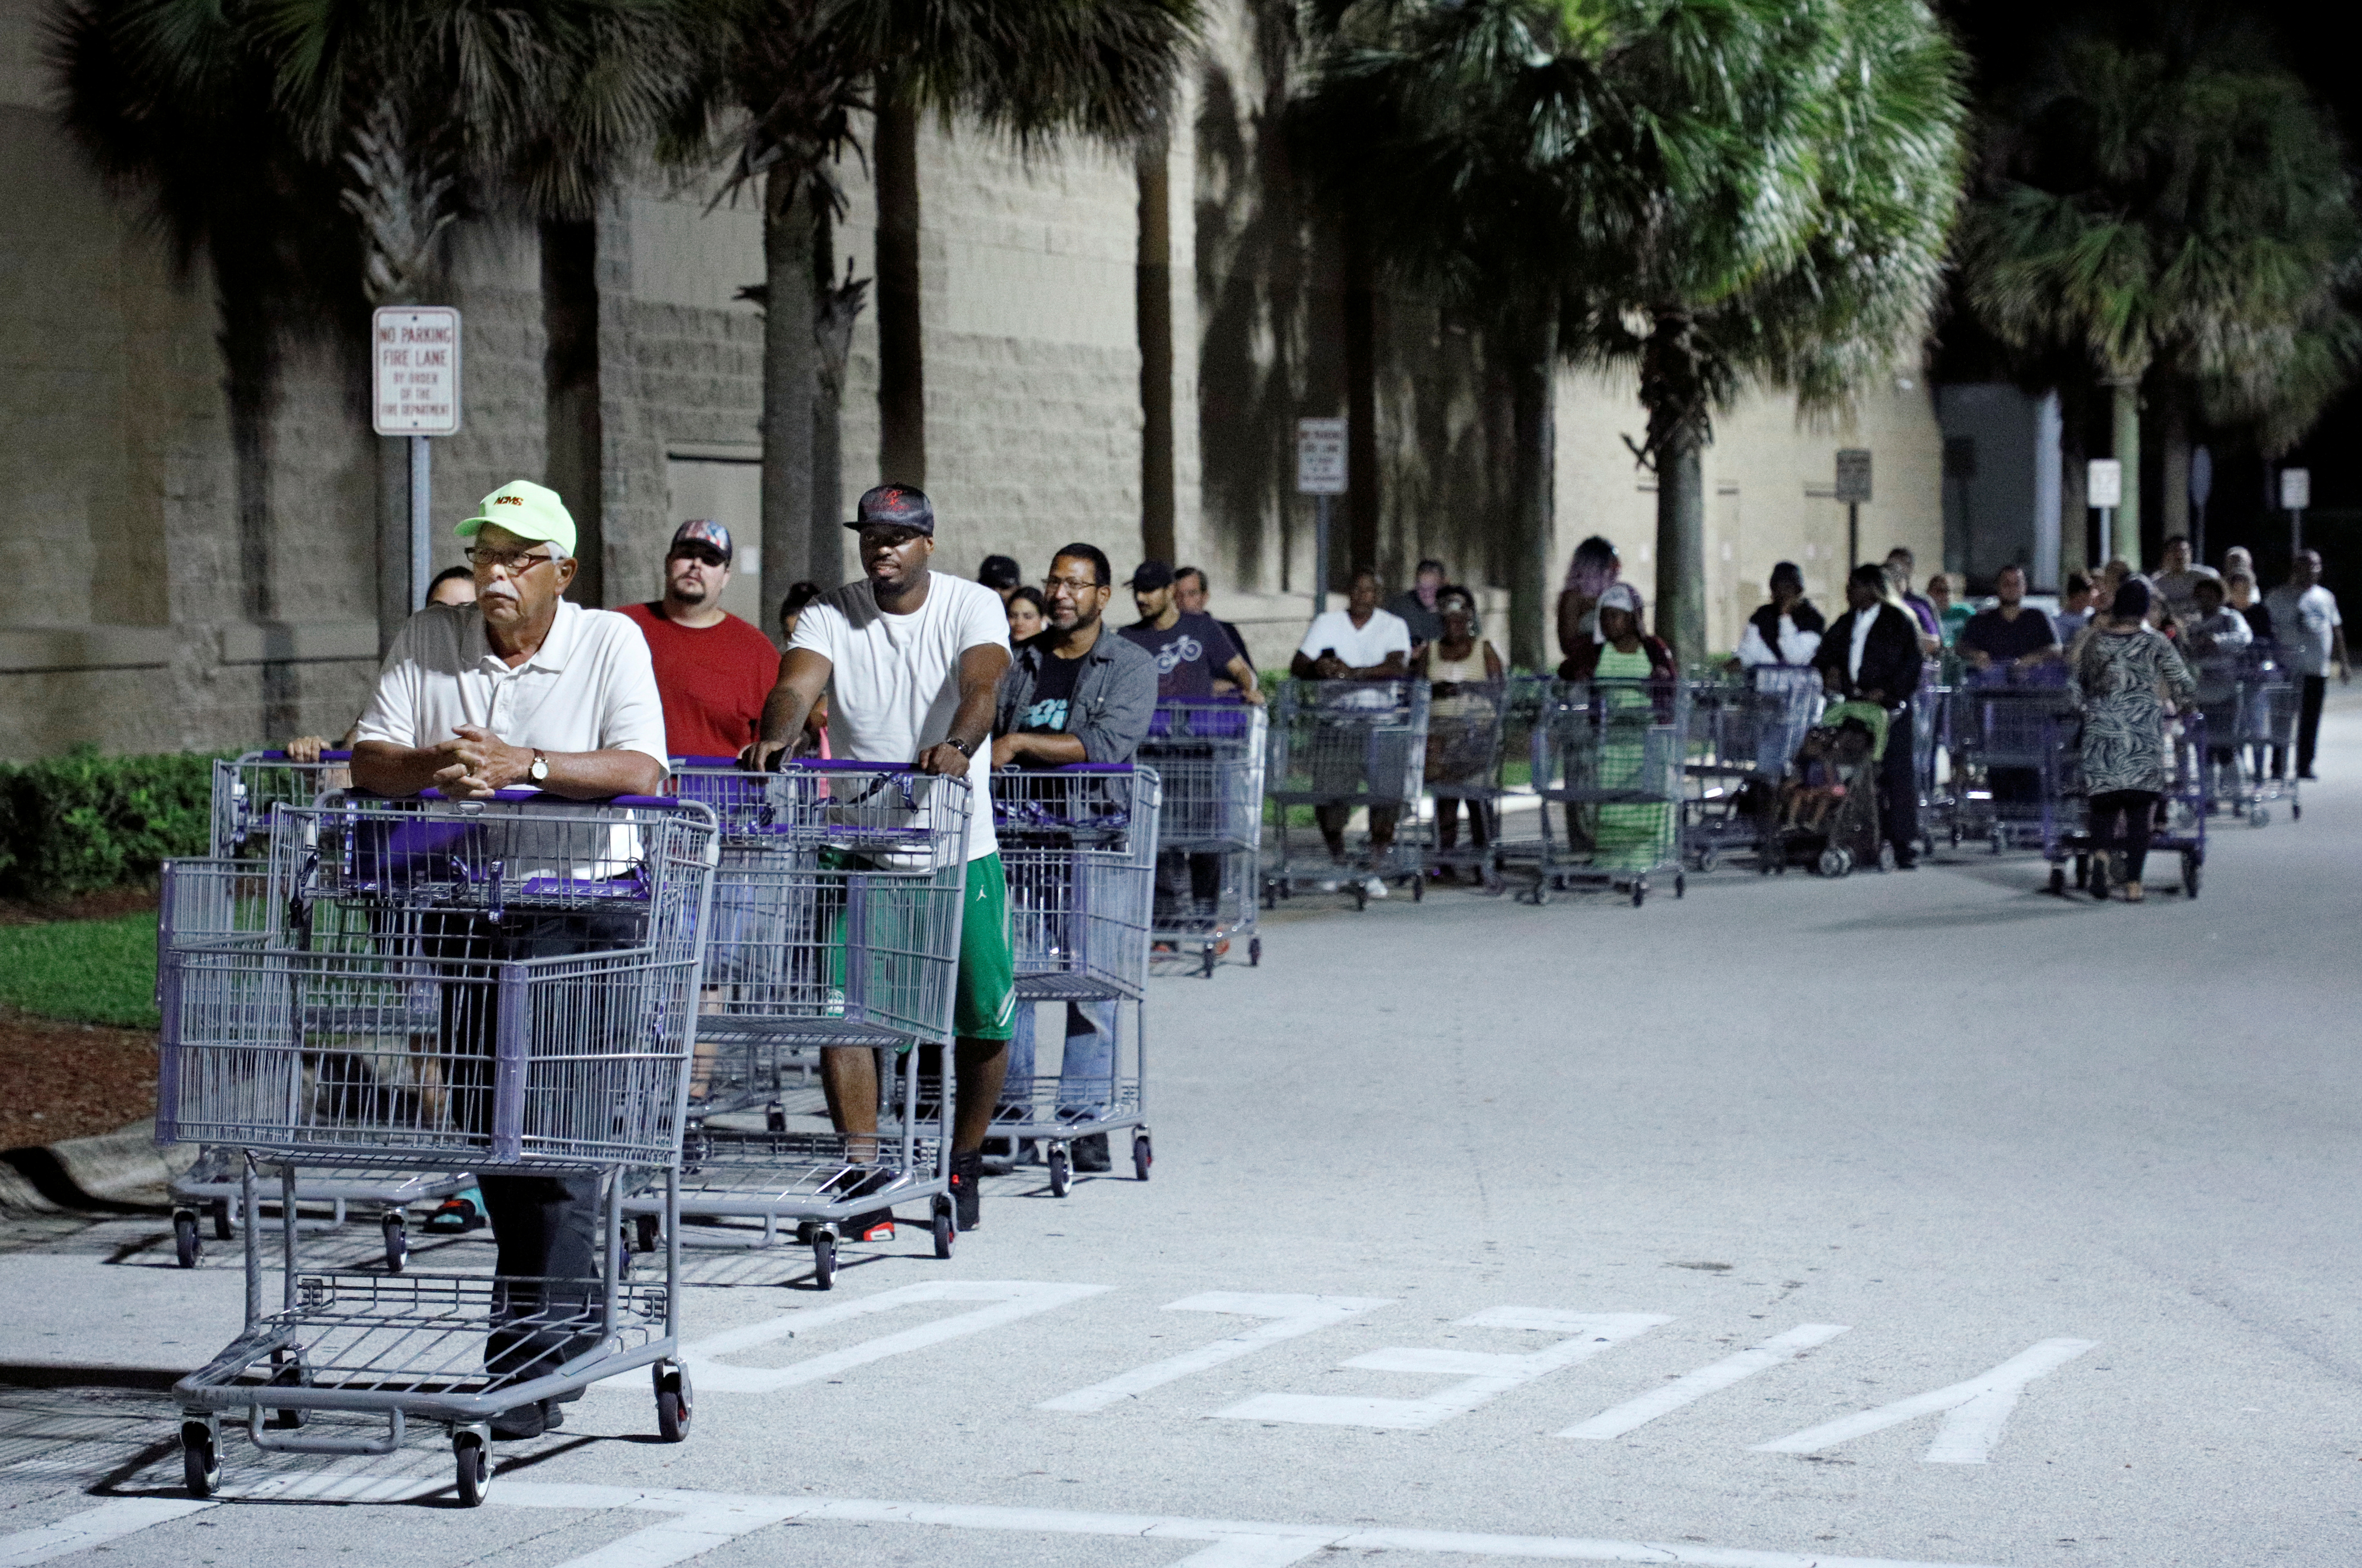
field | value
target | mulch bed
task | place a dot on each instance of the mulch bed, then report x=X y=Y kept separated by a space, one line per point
x=71 y=1080
x=105 y=904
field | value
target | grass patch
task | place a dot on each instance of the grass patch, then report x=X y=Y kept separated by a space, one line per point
x=85 y=971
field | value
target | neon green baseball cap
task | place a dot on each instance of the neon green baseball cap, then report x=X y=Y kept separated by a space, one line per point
x=529 y=511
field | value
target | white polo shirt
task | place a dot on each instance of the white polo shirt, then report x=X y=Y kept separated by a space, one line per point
x=589 y=687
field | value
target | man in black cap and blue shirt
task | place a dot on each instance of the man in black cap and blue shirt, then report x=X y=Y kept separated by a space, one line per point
x=913 y=661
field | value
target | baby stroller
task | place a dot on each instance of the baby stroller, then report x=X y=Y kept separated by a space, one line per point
x=1825 y=813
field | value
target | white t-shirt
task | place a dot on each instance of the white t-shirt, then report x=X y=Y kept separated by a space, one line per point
x=2303 y=624
x=589 y=687
x=1362 y=645
x=894 y=680
x=1863 y=620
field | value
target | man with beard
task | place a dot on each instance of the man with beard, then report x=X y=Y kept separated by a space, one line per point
x=714 y=670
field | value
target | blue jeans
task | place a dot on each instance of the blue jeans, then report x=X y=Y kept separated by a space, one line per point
x=1085 y=1073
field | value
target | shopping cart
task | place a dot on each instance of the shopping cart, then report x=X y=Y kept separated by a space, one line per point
x=1209 y=756
x=2006 y=727
x=1610 y=753
x=1080 y=848
x=2266 y=712
x=558 y=944
x=836 y=922
x=1337 y=747
x=1742 y=734
x=1465 y=722
x=2180 y=829
x=224 y=894
x=1936 y=756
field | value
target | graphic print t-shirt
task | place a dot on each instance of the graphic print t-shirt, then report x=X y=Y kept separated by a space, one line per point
x=1053 y=693
x=1189 y=654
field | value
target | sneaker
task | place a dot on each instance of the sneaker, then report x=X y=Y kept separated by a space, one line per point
x=878 y=1225
x=967 y=1170
x=1090 y=1154
x=1374 y=887
x=527 y=1421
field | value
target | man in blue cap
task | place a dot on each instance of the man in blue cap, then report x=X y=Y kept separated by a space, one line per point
x=912 y=660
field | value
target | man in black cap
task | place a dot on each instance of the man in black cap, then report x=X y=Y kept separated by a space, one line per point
x=1001 y=574
x=912 y=659
x=1190 y=650
x=714 y=670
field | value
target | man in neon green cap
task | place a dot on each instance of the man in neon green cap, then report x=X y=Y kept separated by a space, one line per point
x=520 y=687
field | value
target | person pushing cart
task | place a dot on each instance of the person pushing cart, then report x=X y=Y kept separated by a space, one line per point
x=913 y=662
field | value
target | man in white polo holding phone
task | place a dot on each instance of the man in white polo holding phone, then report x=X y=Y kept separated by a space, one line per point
x=912 y=660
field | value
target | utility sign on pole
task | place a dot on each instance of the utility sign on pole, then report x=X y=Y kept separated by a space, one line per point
x=2103 y=487
x=2296 y=494
x=1853 y=488
x=1320 y=473
x=415 y=393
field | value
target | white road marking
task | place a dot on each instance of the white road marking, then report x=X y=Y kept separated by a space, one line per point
x=1290 y=1317
x=1705 y=1380
x=1004 y=1301
x=1977 y=1409
x=1249 y=1535
x=1254 y=1552
x=693 y=1534
x=92 y=1527
x=1484 y=1375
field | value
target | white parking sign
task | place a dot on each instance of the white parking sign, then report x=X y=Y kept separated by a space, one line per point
x=415 y=371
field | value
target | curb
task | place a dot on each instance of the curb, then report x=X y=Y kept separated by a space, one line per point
x=121 y=1172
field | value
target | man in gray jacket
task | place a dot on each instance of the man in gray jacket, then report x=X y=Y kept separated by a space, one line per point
x=1074 y=693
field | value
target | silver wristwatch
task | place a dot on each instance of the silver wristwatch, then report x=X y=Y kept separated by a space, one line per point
x=540 y=771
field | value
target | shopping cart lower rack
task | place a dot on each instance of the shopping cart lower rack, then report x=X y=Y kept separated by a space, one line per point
x=1210 y=756
x=1337 y=747
x=501 y=987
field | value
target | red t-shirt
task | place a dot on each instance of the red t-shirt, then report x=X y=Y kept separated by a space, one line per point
x=714 y=680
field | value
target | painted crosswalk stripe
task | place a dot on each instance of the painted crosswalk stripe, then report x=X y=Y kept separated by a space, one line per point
x=92 y=1528
x=1705 y=1380
x=1287 y=1316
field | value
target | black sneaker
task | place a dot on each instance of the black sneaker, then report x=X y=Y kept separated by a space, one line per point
x=527 y=1421
x=967 y=1170
x=1090 y=1154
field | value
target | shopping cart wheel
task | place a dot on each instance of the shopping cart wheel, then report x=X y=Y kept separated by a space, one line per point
x=1143 y=1156
x=775 y=1118
x=946 y=1232
x=201 y=1464
x=675 y=1400
x=1832 y=862
x=223 y=1231
x=1681 y=885
x=1885 y=857
x=1417 y=890
x=472 y=1458
x=1956 y=835
x=2058 y=881
x=1998 y=840
x=1707 y=860
x=823 y=1246
x=1062 y=1170
x=1639 y=892
x=397 y=1240
x=2259 y=817
x=1207 y=954
x=288 y=1374
x=185 y=1245
x=2296 y=811
x=1254 y=953
x=2190 y=868
x=1361 y=896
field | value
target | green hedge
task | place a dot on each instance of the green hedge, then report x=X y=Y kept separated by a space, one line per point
x=81 y=822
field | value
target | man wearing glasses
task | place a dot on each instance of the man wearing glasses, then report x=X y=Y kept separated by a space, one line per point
x=713 y=670
x=912 y=662
x=520 y=687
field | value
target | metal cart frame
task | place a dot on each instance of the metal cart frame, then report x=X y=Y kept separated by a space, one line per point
x=1210 y=756
x=1346 y=743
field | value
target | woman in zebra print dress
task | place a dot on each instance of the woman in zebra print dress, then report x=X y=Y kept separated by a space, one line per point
x=2125 y=673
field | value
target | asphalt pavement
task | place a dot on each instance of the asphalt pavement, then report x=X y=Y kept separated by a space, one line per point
x=1913 y=1218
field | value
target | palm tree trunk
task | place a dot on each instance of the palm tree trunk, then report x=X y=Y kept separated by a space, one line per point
x=2173 y=509
x=790 y=363
x=902 y=343
x=573 y=463
x=1673 y=391
x=2125 y=539
x=1533 y=472
x=2074 y=516
x=1154 y=311
x=1361 y=404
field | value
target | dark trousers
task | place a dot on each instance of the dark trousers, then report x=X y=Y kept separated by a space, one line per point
x=2308 y=720
x=2123 y=820
x=1898 y=784
x=545 y=1228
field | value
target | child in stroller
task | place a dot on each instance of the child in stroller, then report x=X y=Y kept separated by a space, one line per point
x=1825 y=811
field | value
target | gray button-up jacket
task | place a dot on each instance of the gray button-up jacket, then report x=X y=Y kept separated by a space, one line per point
x=1115 y=694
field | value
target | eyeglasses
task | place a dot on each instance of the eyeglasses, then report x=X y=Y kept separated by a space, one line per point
x=516 y=563
x=1078 y=586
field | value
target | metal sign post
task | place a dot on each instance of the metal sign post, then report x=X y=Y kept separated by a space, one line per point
x=1320 y=473
x=415 y=392
x=2202 y=489
x=1853 y=488
x=2296 y=494
x=2103 y=487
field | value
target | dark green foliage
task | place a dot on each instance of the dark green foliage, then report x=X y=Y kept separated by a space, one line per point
x=81 y=822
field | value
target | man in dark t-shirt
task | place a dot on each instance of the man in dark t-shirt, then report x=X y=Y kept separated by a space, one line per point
x=2009 y=634
x=714 y=671
x=1190 y=649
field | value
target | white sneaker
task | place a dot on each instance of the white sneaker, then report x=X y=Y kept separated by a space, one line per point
x=1331 y=885
x=1376 y=887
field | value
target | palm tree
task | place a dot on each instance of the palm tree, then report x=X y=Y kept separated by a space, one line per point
x=2176 y=207
x=787 y=78
x=1716 y=192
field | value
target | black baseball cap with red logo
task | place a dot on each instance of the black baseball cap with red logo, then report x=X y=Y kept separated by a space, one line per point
x=895 y=506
